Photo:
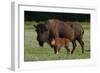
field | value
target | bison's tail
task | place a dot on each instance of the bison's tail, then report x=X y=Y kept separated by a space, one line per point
x=82 y=30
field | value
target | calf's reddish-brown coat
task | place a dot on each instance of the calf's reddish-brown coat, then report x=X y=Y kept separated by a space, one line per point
x=58 y=43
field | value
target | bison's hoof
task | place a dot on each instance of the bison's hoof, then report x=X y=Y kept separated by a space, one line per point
x=56 y=53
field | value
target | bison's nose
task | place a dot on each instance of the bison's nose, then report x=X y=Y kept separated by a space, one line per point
x=41 y=44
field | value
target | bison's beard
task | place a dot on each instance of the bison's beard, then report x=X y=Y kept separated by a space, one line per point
x=41 y=44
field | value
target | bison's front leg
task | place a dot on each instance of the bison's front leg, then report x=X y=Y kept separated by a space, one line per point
x=55 y=50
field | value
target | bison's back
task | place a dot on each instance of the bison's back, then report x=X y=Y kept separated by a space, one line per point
x=78 y=29
x=58 y=28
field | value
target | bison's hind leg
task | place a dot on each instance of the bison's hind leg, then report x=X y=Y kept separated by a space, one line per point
x=74 y=46
x=82 y=44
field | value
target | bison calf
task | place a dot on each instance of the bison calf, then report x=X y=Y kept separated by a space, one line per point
x=58 y=43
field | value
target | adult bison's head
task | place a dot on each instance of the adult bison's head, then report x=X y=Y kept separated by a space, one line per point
x=42 y=33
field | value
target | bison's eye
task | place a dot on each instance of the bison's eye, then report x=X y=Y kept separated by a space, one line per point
x=46 y=29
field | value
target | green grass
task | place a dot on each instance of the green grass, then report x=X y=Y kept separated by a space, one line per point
x=33 y=52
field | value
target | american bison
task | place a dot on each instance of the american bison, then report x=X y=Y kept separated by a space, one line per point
x=55 y=28
x=58 y=43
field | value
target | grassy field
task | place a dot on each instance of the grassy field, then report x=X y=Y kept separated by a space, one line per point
x=33 y=52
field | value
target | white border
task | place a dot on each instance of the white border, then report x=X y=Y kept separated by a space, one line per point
x=17 y=60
